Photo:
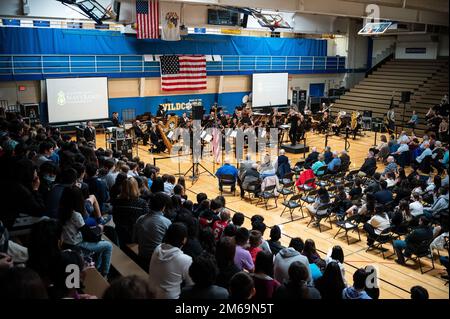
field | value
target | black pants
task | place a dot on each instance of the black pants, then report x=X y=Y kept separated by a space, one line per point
x=293 y=135
x=371 y=235
x=144 y=138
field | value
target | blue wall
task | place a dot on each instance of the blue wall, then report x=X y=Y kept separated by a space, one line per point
x=66 y=41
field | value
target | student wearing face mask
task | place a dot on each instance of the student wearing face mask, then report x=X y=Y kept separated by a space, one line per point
x=47 y=176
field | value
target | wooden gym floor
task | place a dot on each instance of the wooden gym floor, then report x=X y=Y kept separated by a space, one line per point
x=395 y=280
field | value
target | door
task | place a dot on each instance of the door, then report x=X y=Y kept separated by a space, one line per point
x=316 y=89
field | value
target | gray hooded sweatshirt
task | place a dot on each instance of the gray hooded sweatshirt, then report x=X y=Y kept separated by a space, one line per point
x=169 y=268
x=284 y=259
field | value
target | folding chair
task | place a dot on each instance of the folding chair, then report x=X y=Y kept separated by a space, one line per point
x=288 y=189
x=227 y=180
x=266 y=195
x=308 y=199
x=305 y=187
x=292 y=204
x=253 y=188
x=349 y=224
x=383 y=238
x=325 y=216
x=287 y=178
x=420 y=251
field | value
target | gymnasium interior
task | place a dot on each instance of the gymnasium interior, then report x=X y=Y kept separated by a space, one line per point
x=218 y=149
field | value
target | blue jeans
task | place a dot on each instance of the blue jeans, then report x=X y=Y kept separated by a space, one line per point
x=399 y=246
x=103 y=249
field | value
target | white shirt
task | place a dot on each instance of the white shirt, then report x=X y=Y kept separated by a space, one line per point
x=390 y=182
x=168 y=188
x=416 y=208
x=403 y=148
x=403 y=138
x=380 y=223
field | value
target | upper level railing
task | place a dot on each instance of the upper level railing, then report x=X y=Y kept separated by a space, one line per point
x=48 y=65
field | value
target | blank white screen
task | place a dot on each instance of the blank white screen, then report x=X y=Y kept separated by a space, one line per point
x=77 y=99
x=270 y=89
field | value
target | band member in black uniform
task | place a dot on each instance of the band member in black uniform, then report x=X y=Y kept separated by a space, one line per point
x=161 y=112
x=222 y=117
x=156 y=139
x=341 y=123
x=89 y=132
x=184 y=120
x=115 y=119
x=301 y=127
x=139 y=133
x=293 y=120
x=323 y=125
x=390 y=120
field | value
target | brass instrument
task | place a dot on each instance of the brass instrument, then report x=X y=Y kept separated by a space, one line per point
x=338 y=120
x=354 y=121
x=166 y=141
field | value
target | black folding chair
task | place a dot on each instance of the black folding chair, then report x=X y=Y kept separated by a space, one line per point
x=349 y=224
x=266 y=195
x=326 y=208
x=308 y=199
x=420 y=251
x=287 y=178
x=253 y=188
x=227 y=180
x=305 y=187
x=292 y=204
x=383 y=238
x=288 y=189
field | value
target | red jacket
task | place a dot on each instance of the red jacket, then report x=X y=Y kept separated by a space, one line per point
x=304 y=176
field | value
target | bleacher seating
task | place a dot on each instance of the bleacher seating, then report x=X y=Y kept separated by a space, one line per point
x=426 y=79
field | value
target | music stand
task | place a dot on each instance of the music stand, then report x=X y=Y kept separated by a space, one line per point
x=346 y=142
x=195 y=169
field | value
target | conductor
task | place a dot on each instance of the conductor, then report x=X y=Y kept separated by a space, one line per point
x=293 y=120
x=161 y=112
x=89 y=132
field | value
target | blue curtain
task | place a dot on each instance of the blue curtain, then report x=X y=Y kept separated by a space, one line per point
x=66 y=41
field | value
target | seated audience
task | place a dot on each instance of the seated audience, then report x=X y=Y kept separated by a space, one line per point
x=169 y=266
x=128 y=288
x=296 y=286
x=227 y=169
x=242 y=286
x=243 y=258
x=203 y=272
x=265 y=285
x=357 y=291
x=286 y=257
x=406 y=247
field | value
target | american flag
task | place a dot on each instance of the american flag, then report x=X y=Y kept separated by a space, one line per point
x=147 y=19
x=183 y=72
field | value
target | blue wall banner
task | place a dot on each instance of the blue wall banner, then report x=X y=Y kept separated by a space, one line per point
x=64 y=41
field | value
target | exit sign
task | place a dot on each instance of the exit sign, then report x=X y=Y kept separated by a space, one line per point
x=22 y=87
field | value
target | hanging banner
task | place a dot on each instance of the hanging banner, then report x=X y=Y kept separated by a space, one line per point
x=170 y=21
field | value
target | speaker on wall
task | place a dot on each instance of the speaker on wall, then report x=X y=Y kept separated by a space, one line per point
x=406 y=97
x=197 y=112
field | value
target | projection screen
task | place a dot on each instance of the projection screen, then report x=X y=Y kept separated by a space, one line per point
x=77 y=99
x=270 y=89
